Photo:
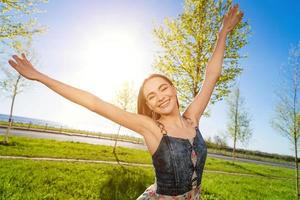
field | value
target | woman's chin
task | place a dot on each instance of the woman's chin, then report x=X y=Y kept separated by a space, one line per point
x=167 y=110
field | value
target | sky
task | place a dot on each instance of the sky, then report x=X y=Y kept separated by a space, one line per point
x=98 y=45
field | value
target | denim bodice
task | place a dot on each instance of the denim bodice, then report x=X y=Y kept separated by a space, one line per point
x=173 y=165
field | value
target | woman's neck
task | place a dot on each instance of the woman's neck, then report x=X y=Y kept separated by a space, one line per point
x=175 y=121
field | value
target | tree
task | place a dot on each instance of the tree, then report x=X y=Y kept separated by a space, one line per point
x=125 y=98
x=238 y=126
x=187 y=44
x=17 y=28
x=14 y=83
x=220 y=141
x=287 y=110
x=17 y=20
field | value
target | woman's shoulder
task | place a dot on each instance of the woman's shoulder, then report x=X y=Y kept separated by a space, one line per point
x=151 y=127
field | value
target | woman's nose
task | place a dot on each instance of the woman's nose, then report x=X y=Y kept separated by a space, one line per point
x=161 y=97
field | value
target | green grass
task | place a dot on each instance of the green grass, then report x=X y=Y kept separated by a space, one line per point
x=25 y=146
x=26 y=179
x=212 y=147
x=222 y=186
x=248 y=168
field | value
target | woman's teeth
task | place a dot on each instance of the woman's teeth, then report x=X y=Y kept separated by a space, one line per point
x=165 y=104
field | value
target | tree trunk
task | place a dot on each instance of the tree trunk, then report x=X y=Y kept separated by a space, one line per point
x=11 y=111
x=296 y=167
x=296 y=136
x=236 y=123
x=114 y=150
x=234 y=146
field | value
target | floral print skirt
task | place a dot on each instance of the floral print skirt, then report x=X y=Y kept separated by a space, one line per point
x=150 y=194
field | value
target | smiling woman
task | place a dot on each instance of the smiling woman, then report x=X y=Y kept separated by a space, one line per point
x=178 y=161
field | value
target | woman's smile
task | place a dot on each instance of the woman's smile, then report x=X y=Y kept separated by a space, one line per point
x=165 y=104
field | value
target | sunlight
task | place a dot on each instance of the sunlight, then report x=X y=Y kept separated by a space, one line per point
x=109 y=57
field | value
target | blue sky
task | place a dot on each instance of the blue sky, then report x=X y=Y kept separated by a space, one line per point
x=70 y=51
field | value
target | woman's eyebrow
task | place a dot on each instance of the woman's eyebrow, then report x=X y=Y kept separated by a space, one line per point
x=158 y=88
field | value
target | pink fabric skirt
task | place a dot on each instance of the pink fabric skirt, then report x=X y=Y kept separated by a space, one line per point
x=150 y=194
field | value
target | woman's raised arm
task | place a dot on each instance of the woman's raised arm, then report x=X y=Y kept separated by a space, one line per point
x=213 y=71
x=136 y=122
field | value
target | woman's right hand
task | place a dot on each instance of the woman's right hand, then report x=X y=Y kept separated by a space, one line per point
x=24 y=67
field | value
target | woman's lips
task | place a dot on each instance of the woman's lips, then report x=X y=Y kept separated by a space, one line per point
x=164 y=104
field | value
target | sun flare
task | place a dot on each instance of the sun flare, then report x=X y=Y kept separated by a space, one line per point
x=109 y=58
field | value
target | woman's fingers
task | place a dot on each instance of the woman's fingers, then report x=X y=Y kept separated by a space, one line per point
x=236 y=13
x=232 y=17
x=233 y=10
x=19 y=60
x=23 y=56
x=12 y=63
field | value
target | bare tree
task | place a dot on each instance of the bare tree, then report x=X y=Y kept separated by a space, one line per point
x=13 y=83
x=238 y=126
x=125 y=98
x=220 y=141
x=287 y=110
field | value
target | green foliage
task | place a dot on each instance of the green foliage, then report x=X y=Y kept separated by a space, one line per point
x=17 y=20
x=287 y=110
x=187 y=44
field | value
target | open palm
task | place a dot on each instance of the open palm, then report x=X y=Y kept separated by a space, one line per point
x=24 y=67
x=232 y=18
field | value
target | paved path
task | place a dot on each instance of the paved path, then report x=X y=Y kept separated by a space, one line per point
x=132 y=164
x=108 y=141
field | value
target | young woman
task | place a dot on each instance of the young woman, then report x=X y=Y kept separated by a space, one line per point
x=174 y=141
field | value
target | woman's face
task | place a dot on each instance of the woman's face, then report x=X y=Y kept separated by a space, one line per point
x=161 y=97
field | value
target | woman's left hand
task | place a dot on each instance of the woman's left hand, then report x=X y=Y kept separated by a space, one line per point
x=231 y=19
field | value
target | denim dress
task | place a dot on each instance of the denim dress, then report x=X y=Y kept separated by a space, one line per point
x=178 y=164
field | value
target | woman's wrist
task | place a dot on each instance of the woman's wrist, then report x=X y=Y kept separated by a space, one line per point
x=222 y=33
x=39 y=76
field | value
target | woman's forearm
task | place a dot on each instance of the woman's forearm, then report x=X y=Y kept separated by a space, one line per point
x=214 y=66
x=73 y=94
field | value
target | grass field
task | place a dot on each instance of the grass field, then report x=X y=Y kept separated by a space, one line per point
x=212 y=147
x=27 y=179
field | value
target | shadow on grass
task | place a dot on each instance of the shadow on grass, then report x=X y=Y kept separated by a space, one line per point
x=246 y=169
x=123 y=183
x=11 y=143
